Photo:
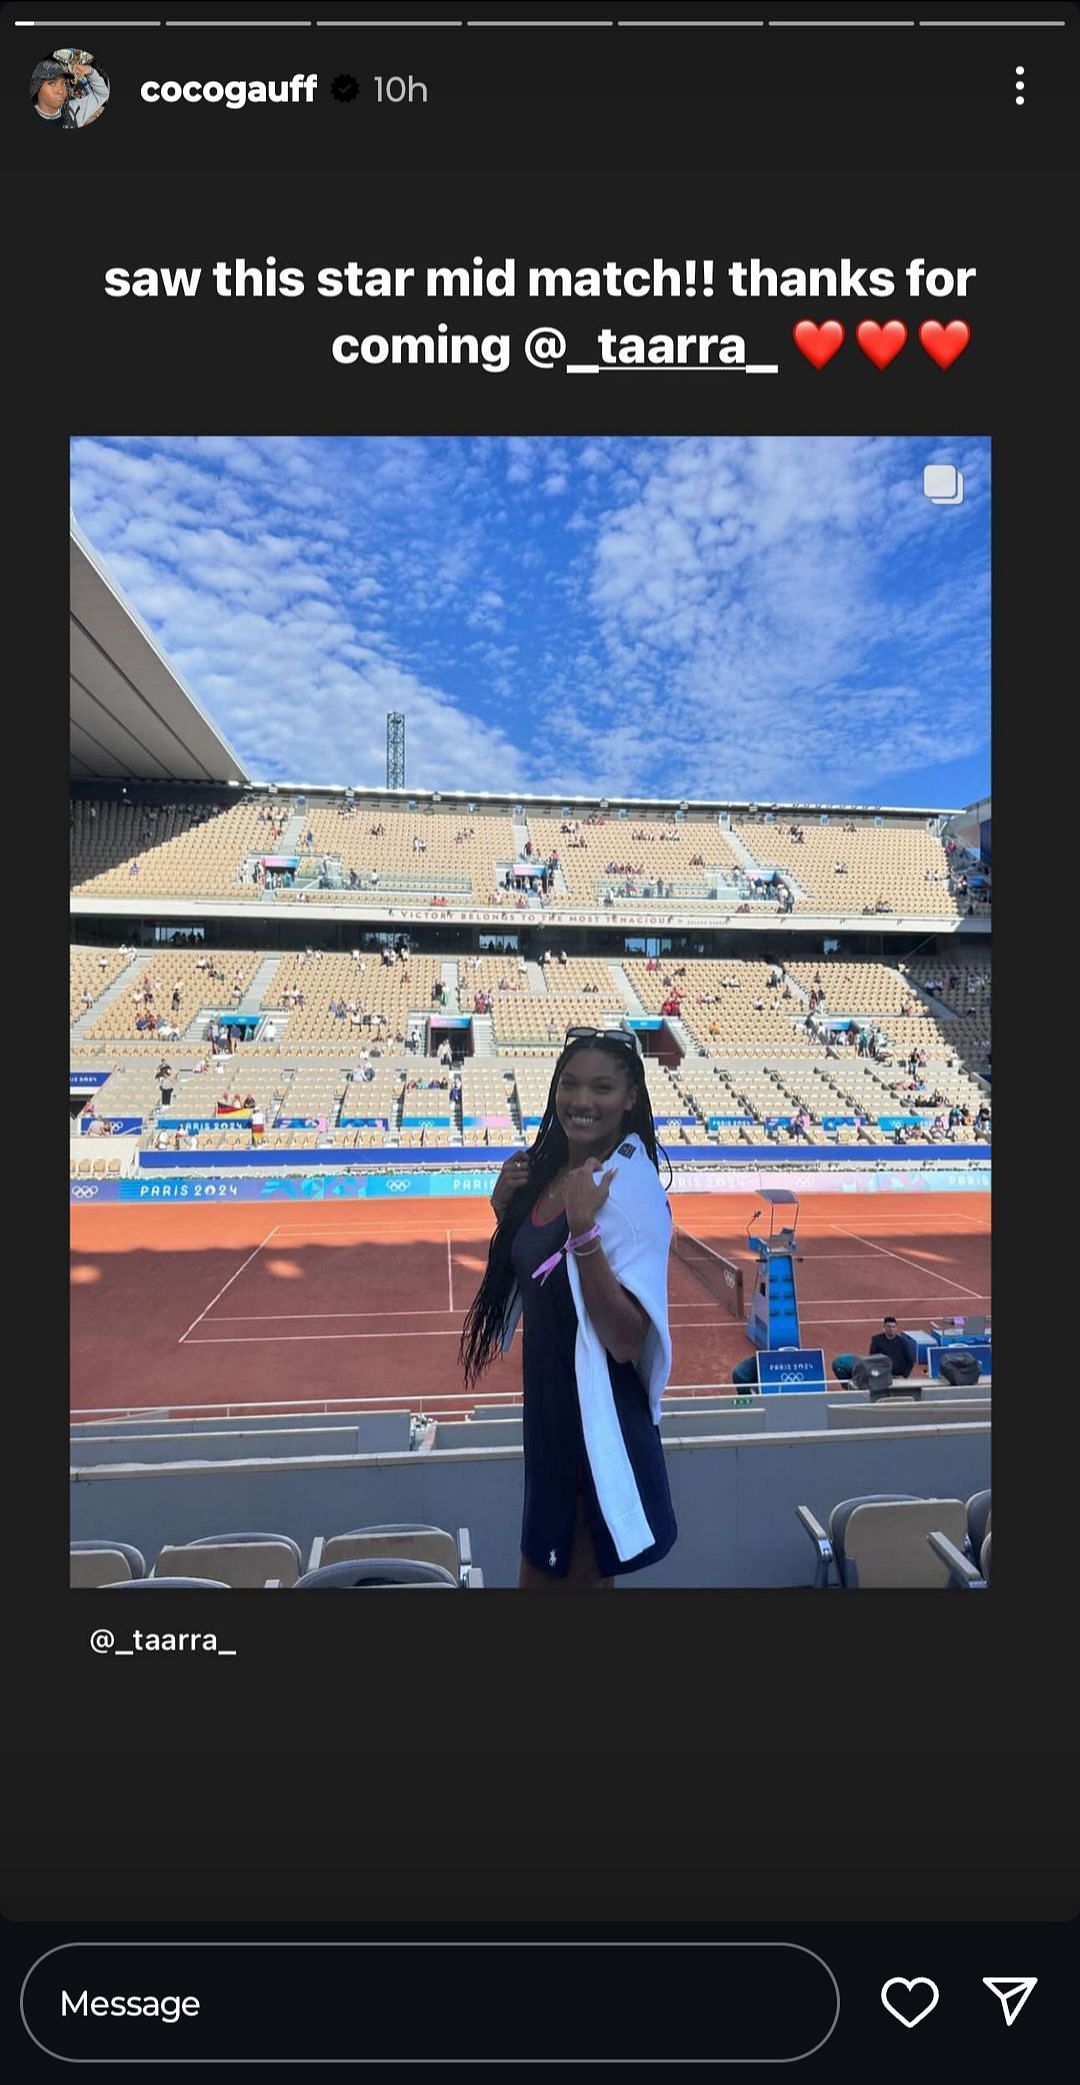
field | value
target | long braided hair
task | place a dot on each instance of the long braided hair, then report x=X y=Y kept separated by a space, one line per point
x=481 y=1334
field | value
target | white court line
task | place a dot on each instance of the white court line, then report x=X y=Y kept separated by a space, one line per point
x=272 y=1317
x=349 y=1224
x=804 y=1321
x=886 y=1254
x=920 y=1296
x=260 y=1339
x=225 y=1285
x=450 y=1268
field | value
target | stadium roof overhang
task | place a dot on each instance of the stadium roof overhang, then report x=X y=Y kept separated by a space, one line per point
x=130 y=714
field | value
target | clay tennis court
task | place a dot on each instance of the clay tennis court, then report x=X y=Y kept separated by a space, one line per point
x=293 y=1305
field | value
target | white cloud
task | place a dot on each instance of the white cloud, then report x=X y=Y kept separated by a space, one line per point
x=716 y=615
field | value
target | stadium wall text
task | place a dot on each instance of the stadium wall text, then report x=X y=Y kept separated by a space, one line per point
x=351 y=1187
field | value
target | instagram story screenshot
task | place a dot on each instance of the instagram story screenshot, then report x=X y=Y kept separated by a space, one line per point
x=555 y=526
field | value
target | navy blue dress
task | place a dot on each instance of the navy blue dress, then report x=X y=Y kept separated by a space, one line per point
x=556 y=1464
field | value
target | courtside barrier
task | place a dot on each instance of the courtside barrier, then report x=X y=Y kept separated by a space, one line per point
x=425 y=1179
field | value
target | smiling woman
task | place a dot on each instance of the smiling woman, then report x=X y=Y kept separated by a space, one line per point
x=580 y=1255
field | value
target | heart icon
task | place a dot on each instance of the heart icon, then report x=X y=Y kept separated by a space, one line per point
x=881 y=343
x=818 y=343
x=944 y=343
x=905 y=2010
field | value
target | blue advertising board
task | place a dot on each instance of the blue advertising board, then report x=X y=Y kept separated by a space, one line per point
x=193 y=1123
x=87 y=1081
x=167 y=1177
x=296 y=1187
x=791 y=1368
x=119 y=1125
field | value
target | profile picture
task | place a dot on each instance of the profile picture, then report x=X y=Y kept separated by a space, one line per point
x=68 y=89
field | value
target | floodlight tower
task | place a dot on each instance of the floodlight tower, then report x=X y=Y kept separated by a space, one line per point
x=395 y=749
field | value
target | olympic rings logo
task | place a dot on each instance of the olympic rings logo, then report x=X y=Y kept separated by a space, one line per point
x=83 y=1194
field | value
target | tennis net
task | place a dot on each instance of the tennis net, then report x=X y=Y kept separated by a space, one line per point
x=722 y=1277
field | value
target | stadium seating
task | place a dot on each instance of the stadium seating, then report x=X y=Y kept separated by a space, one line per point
x=209 y=849
x=192 y=851
x=454 y=851
x=167 y=1585
x=366 y=1573
x=887 y=862
x=92 y=971
x=103 y=1563
x=660 y=852
x=221 y=992
x=880 y=1540
x=978 y=1523
x=742 y=1022
x=963 y=1574
x=234 y=1560
x=425 y=1545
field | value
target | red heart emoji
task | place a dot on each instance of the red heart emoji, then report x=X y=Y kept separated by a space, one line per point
x=818 y=343
x=881 y=343
x=944 y=343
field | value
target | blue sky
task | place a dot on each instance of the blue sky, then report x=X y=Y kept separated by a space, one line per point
x=702 y=615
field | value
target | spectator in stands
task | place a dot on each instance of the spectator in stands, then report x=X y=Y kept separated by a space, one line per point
x=585 y=1325
x=133 y=868
x=899 y=1351
x=87 y=998
x=166 y=1081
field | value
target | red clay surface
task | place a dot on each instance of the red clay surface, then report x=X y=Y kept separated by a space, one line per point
x=361 y=1305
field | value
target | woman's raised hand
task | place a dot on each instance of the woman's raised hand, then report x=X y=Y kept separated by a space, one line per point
x=585 y=1197
x=513 y=1173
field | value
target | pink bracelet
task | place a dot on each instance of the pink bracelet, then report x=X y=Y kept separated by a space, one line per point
x=548 y=1266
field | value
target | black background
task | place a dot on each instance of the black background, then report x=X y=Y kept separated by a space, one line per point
x=696 y=1757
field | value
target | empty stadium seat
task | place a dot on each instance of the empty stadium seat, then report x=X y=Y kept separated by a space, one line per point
x=978 y=1523
x=237 y=1560
x=167 y=1585
x=365 y=1573
x=426 y=1545
x=94 y=1563
x=880 y=1540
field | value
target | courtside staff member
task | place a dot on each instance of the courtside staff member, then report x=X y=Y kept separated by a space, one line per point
x=899 y=1351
